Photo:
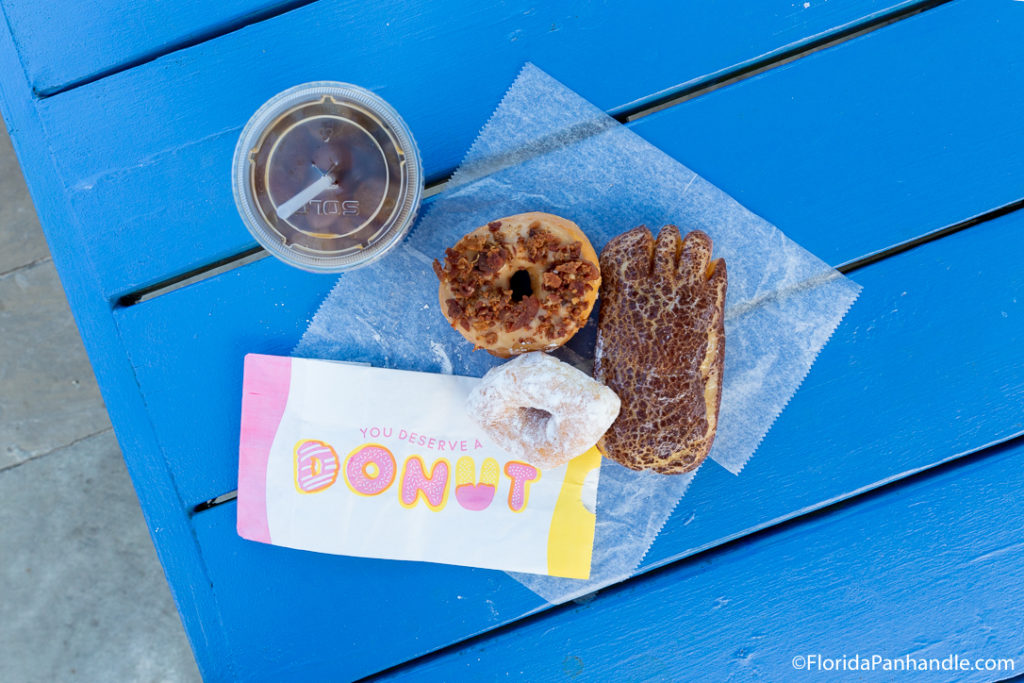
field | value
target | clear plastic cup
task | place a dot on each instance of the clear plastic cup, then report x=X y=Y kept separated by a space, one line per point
x=327 y=176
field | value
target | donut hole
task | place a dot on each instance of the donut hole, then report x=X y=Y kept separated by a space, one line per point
x=535 y=421
x=521 y=286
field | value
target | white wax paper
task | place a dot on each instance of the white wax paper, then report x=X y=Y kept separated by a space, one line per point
x=547 y=149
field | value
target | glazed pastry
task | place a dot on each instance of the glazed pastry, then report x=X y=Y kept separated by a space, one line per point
x=661 y=347
x=542 y=410
x=522 y=283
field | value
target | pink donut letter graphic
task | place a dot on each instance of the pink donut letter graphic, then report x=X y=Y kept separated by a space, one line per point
x=471 y=495
x=522 y=475
x=415 y=483
x=316 y=466
x=370 y=469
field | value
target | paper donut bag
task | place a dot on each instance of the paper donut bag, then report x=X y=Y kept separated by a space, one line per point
x=355 y=460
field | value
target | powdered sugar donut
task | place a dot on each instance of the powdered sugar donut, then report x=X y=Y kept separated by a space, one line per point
x=542 y=410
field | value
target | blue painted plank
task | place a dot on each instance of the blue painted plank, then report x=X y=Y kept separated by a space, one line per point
x=378 y=613
x=916 y=125
x=162 y=507
x=62 y=43
x=932 y=568
x=883 y=400
x=172 y=124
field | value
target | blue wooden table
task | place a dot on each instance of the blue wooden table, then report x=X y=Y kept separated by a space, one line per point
x=883 y=514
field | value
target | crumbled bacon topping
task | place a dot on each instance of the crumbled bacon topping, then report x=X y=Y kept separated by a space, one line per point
x=525 y=311
x=552 y=281
x=492 y=260
x=572 y=279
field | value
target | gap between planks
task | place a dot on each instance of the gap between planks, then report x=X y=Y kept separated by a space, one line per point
x=176 y=46
x=624 y=116
x=907 y=245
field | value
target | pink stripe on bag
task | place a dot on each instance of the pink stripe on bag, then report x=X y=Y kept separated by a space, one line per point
x=264 y=396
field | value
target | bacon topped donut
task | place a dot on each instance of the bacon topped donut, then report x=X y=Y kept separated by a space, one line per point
x=522 y=283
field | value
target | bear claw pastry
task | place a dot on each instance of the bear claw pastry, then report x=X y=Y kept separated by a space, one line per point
x=661 y=347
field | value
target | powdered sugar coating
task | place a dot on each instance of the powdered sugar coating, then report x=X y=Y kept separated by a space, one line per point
x=542 y=410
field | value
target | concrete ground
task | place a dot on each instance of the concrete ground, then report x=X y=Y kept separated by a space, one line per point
x=82 y=595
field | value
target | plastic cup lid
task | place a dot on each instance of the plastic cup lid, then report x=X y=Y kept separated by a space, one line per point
x=327 y=176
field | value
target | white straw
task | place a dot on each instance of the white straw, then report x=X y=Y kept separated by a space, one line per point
x=285 y=210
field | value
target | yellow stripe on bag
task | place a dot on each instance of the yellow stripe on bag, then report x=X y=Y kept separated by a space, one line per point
x=571 y=539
